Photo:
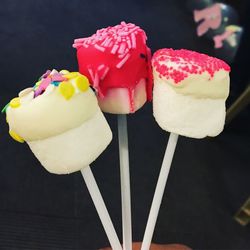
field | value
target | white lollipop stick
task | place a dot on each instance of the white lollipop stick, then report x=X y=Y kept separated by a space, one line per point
x=162 y=180
x=125 y=182
x=101 y=208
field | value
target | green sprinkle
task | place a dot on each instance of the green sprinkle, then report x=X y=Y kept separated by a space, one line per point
x=55 y=83
x=5 y=107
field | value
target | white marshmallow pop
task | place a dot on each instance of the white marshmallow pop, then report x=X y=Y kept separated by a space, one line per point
x=190 y=90
x=60 y=120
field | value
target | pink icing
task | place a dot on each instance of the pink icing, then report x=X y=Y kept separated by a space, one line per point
x=116 y=57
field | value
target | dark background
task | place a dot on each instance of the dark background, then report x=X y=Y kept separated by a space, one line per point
x=209 y=179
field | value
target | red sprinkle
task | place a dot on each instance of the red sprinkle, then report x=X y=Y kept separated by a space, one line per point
x=186 y=62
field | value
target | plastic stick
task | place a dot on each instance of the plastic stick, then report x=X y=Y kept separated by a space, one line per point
x=159 y=191
x=101 y=208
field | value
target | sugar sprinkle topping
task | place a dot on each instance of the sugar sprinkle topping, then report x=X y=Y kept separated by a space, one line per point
x=117 y=40
x=179 y=64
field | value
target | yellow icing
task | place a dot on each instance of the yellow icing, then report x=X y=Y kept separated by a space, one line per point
x=16 y=137
x=15 y=102
x=66 y=89
x=82 y=83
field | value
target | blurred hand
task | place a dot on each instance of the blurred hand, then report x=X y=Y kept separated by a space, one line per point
x=137 y=246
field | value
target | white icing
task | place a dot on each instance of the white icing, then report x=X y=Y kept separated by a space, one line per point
x=51 y=114
x=199 y=85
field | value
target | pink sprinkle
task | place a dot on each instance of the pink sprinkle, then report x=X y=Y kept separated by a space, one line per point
x=129 y=43
x=96 y=81
x=114 y=49
x=105 y=73
x=123 y=61
x=79 y=40
x=133 y=40
x=109 y=42
x=91 y=74
x=99 y=47
x=123 y=33
x=76 y=46
x=134 y=29
x=58 y=77
x=106 y=42
x=122 y=48
x=46 y=74
x=85 y=45
x=100 y=67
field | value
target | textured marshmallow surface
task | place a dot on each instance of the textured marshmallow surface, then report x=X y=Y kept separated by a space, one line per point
x=117 y=100
x=185 y=115
x=75 y=148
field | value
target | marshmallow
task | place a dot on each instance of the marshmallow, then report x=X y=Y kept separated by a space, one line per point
x=60 y=120
x=117 y=62
x=190 y=90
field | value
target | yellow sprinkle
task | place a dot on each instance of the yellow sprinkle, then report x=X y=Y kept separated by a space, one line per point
x=66 y=89
x=71 y=75
x=16 y=137
x=7 y=119
x=233 y=28
x=38 y=83
x=15 y=102
x=82 y=83
x=64 y=71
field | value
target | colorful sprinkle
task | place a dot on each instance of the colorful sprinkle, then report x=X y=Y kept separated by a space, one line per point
x=71 y=75
x=82 y=83
x=58 y=77
x=64 y=72
x=38 y=83
x=16 y=137
x=15 y=102
x=55 y=83
x=67 y=90
x=5 y=107
x=46 y=74
x=123 y=61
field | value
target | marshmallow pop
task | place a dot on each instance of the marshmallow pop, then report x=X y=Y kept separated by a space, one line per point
x=190 y=90
x=61 y=121
x=118 y=63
